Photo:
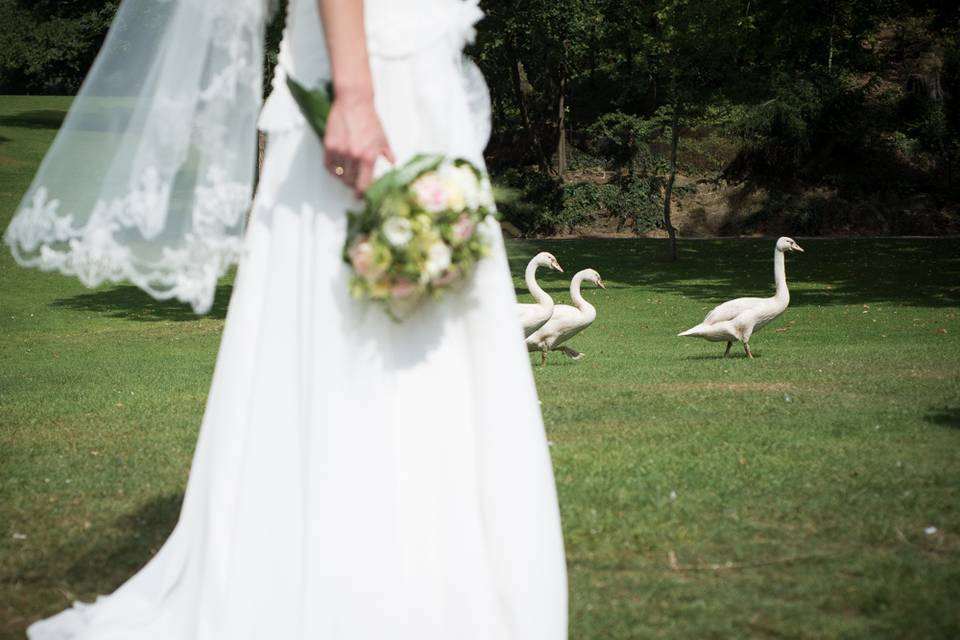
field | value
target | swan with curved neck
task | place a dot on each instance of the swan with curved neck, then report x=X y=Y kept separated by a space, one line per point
x=534 y=316
x=737 y=320
x=566 y=321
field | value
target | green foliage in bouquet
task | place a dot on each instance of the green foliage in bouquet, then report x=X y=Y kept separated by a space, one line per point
x=314 y=104
x=419 y=232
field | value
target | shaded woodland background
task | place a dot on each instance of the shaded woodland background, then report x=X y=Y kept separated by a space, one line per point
x=719 y=117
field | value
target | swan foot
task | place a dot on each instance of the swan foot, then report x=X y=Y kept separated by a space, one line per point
x=727 y=352
x=573 y=354
x=746 y=347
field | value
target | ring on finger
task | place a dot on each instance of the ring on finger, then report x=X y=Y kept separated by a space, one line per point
x=338 y=170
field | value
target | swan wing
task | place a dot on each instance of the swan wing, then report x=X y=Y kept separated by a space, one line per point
x=533 y=316
x=716 y=332
x=767 y=313
x=530 y=313
x=566 y=322
x=731 y=309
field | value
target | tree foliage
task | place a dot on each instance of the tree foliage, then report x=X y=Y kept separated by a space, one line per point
x=613 y=93
x=48 y=46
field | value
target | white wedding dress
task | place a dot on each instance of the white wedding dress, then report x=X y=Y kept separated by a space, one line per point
x=355 y=478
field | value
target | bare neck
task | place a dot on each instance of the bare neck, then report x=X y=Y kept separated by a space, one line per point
x=541 y=296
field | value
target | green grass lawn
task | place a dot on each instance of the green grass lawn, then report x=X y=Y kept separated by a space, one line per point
x=702 y=497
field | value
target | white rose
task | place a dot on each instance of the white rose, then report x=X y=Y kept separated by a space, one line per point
x=463 y=184
x=438 y=259
x=398 y=231
x=471 y=187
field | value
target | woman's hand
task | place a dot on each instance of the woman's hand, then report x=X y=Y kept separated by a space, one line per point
x=354 y=139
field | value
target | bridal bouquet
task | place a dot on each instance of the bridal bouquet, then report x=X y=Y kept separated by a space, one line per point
x=417 y=234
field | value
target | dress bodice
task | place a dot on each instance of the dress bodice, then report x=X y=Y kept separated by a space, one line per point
x=395 y=29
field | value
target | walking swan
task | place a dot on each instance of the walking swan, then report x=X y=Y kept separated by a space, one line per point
x=736 y=320
x=566 y=321
x=534 y=316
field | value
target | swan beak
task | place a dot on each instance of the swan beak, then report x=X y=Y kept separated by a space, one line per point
x=600 y=284
x=796 y=247
x=556 y=267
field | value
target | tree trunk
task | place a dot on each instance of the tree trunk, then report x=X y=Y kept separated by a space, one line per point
x=668 y=192
x=562 y=147
x=261 y=152
x=949 y=159
x=562 y=125
x=258 y=169
x=501 y=117
x=518 y=77
x=833 y=24
x=594 y=45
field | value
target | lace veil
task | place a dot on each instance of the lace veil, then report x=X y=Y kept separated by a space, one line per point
x=150 y=177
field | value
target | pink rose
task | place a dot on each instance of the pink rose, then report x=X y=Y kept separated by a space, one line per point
x=431 y=193
x=402 y=288
x=463 y=229
x=361 y=256
x=363 y=259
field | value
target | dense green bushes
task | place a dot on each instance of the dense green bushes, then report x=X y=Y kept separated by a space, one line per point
x=546 y=205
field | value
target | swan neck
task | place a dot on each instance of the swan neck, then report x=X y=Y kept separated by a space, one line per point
x=780 y=276
x=533 y=287
x=578 y=300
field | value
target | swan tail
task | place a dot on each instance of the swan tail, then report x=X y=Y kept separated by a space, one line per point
x=692 y=332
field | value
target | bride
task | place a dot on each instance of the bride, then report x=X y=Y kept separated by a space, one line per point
x=354 y=478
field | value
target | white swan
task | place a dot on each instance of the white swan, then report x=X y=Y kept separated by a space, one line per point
x=534 y=316
x=566 y=321
x=736 y=320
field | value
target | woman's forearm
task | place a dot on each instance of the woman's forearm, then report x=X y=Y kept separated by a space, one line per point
x=354 y=138
x=347 y=45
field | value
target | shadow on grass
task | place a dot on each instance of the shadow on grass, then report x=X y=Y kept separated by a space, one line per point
x=93 y=565
x=912 y=272
x=130 y=303
x=121 y=551
x=719 y=355
x=944 y=417
x=44 y=119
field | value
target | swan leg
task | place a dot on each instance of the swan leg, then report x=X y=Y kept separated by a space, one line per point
x=543 y=358
x=727 y=352
x=573 y=354
x=746 y=347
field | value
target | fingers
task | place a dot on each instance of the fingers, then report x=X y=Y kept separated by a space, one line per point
x=364 y=178
x=368 y=161
x=341 y=167
x=349 y=174
x=335 y=163
x=338 y=159
x=357 y=170
x=350 y=171
x=387 y=153
x=353 y=142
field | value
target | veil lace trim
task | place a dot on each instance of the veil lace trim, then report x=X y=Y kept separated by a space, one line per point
x=150 y=178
